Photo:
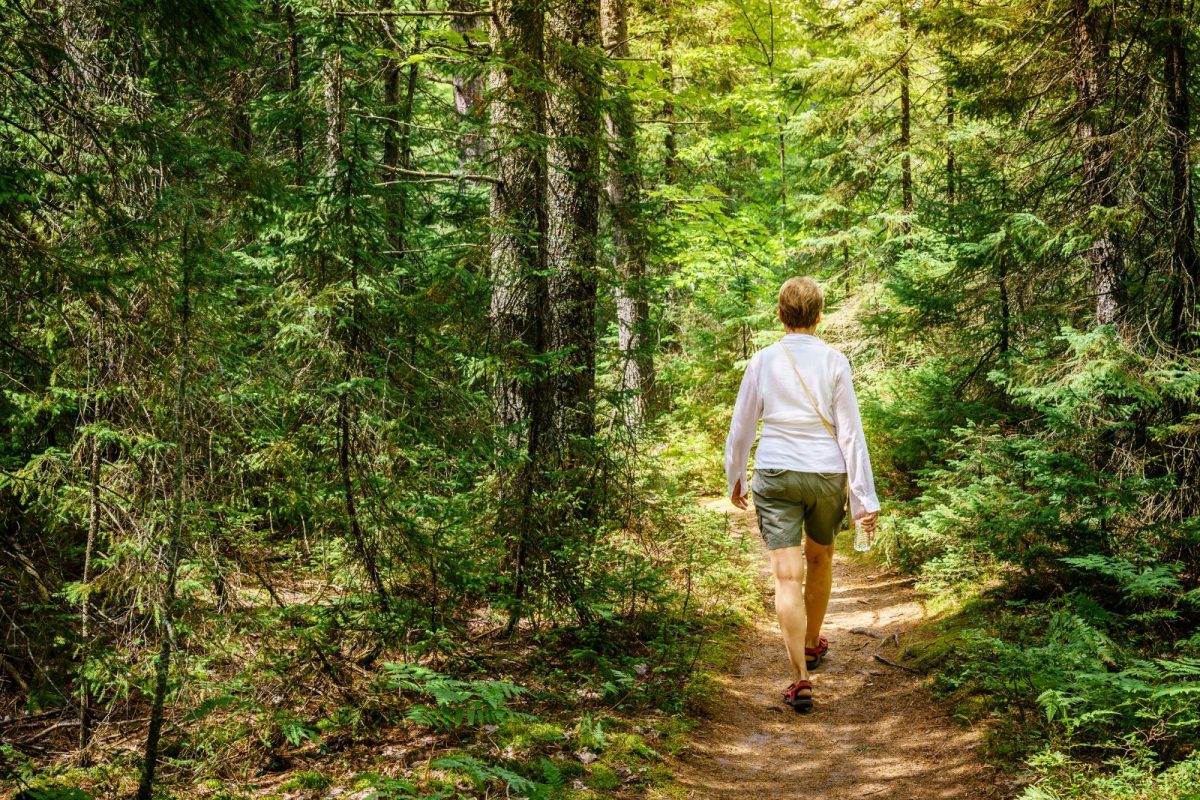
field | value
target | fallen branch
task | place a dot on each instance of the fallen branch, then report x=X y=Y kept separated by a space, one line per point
x=44 y=732
x=31 y=718
x=891 y=663
x=868 y=632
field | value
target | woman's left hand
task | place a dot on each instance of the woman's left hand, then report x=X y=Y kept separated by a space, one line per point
x=868 y=521
x=738 y=498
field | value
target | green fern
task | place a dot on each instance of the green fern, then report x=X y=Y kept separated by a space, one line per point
x=551 y=774
x=457 y=703
x=387 y=788
x=1159 y=580
x=483 y=773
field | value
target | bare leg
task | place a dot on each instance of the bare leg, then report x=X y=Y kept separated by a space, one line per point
x=787 y=564
x=817 y=587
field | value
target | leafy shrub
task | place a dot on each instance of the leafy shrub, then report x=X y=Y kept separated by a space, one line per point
x=1118 y=778
x=1067 y=678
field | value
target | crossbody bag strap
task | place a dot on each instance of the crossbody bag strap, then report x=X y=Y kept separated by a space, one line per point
x=824 y=421
x=804 y=385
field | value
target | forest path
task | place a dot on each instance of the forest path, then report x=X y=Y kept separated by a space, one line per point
x=875 y=730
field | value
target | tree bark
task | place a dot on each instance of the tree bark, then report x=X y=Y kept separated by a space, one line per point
x=468 y=88
x=85 y=611
x=573 y=201
x=670 y=148
x=623 y=190
x=906 y=177
x=572 y=212
x=399 y=89
x=294 y=85
x=519 y=301
x=1104 y=258
x=1185 y=267
x=242 y=135
x=951 y=162
x=334 y=118
x=518 y=196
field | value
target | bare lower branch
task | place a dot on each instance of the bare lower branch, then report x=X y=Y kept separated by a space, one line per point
x=437 y=176
x=385 y=12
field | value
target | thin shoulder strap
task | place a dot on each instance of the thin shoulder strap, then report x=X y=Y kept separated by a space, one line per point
x=804 y=384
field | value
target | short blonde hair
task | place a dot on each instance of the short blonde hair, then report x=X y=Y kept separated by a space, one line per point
x=800 y=303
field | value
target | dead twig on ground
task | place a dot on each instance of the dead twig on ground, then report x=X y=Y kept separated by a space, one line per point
x=891 y=663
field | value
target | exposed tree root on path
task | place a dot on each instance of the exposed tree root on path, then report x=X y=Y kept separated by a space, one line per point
x=875 y=731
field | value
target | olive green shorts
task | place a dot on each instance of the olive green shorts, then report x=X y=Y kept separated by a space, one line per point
x=791 y=504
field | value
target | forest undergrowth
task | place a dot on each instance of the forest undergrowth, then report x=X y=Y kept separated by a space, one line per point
x=1057 y=551
x=305 y=695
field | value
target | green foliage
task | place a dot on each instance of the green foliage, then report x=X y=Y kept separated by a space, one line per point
x=1117 y=778
x=458 y=703
x=55 y=793
x=1151 y=581
x=483 y=774
x=387 y=788
x=312 y=781
x=590 y=733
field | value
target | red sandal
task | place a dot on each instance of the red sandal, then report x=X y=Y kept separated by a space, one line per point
x=814 y=655
x=799 y=702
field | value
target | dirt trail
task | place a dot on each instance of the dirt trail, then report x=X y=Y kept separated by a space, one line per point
x=875 y=731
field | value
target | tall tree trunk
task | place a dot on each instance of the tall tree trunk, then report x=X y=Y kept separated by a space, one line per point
x=162 y=664
x=1005 y=310
x=242 y=135
x=623 y=187
x=519 y=300
x=468 y=88
x=572 y=207
x=335 y=120
x=1090 y=74
x=572 y=212
x=339 y=171
x=670 y=148
x=906 y=177
x=951 y=162
x=518 y=195
x=399 y=89
x=85 y=611
x=1185 y=267
x=294 y=85
x=393 y=202
x=279 y=73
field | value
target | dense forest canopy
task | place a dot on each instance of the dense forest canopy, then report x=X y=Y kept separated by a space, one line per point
x=351 y=349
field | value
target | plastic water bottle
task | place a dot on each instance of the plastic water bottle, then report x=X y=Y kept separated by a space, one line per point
x=862 y=538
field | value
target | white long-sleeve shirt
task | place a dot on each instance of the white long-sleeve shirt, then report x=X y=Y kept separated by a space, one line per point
x=793 y=436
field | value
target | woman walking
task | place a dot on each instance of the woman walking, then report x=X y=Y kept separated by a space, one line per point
x=811 y=448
